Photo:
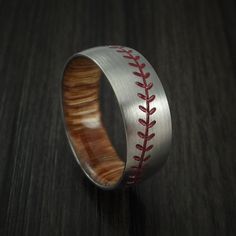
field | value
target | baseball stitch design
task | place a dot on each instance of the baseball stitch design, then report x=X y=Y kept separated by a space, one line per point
x=146 y=123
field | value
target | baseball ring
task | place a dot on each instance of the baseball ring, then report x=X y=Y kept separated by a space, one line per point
x=144 y=110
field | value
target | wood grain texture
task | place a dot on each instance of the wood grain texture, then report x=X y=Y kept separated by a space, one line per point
x=191 y=44
x=81 y=102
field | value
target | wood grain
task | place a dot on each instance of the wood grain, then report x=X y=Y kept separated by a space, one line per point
x=191 y=44
x=81 y=102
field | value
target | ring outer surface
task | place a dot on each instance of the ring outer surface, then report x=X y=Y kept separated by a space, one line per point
x=145 y=111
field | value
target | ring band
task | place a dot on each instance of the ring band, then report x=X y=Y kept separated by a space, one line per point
x=143 y=106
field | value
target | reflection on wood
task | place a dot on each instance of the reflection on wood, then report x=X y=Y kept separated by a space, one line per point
x=83 y=121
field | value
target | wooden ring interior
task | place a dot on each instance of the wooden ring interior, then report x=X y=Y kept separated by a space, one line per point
x=85 y=129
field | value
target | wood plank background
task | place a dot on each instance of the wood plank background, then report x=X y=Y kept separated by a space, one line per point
x=191 y=44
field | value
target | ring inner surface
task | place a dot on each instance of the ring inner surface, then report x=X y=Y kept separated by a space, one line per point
x=83 y=120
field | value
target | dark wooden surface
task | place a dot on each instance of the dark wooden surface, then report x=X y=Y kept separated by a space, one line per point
x=191 y=44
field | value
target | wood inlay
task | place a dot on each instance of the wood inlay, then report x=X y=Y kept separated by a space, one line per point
x=83 y=121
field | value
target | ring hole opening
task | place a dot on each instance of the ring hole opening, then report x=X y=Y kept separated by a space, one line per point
x=93 y=121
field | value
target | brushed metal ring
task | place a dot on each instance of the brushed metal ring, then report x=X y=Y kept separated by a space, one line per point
x=143 y=106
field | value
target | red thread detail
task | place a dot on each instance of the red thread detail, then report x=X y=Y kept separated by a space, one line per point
x=137 y=74
x=151 y=98
x=146 y=122
x=149 y=137
x=149 y=148
x=149 y=86
x=142 y=65
x=142 y=75
x=146 y=75
x=152 y=110
x=142 y=122
x=151 y=124
x=140 y=84
x=140 y=147
x=142 y=108
x=136 y=158
x=141 y=135
x=146 y=158
x=128 y=56
x=142 y=96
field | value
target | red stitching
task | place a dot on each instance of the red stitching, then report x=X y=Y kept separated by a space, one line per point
x=146 y=123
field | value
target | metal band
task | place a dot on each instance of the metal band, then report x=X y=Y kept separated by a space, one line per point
x=143 y=105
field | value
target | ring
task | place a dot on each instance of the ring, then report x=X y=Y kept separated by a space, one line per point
x=144 y=110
